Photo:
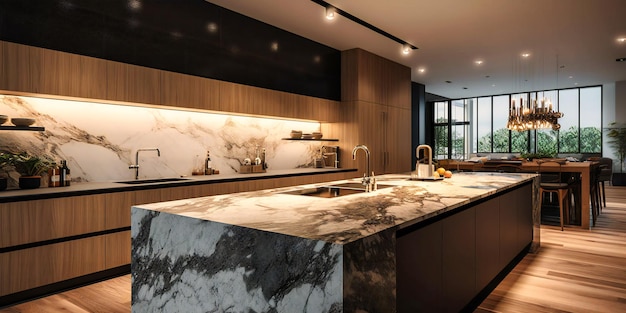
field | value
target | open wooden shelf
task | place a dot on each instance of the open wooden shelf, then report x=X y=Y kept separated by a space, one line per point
x=27 y=128
x=302 y=139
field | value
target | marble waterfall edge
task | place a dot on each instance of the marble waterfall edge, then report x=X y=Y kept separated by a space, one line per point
x=182 y=264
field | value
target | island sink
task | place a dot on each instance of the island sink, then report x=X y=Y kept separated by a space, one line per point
x=333 y=191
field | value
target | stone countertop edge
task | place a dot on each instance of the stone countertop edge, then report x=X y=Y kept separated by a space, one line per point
x=92 y=188
x=345 y=219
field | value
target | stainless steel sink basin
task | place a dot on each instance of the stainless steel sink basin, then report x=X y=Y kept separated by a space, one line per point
x=333 y=191
x=149 y=181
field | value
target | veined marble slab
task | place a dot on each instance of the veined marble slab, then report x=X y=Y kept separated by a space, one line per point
x=267 y=251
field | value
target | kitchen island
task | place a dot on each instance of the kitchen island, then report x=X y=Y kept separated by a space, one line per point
x=280 y=251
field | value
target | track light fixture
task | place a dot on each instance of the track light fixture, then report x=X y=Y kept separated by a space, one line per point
x=332 y=12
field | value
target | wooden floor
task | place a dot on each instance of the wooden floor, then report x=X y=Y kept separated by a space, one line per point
x=574 y=271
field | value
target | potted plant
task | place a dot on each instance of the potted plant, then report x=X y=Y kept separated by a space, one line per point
x=30 y=168
x=4 y=164
x=617 y=141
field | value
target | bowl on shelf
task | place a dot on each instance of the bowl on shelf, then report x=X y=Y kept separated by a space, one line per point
x=307 y=136
x=3 y=119
x=22 y=121
x=296 y=134
x=316 y=135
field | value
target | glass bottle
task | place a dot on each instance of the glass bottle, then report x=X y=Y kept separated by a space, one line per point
x=65 y=176
x=54 y=177
x=208 y=167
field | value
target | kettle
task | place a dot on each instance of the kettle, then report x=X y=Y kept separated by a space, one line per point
x=424 y=170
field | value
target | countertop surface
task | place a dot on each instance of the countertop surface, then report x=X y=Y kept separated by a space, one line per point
x=77 y=189
x=347 y=218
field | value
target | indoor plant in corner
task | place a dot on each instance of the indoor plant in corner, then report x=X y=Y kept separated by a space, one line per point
x=30 y=168
x=617 y=141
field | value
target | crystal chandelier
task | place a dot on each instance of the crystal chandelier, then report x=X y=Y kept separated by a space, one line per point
x=536 y=116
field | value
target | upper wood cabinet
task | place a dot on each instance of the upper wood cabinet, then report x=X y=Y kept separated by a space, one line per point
x=368 y=77
x=45 y=71
x=28 y=69
x=131 y=83
x=188 y=91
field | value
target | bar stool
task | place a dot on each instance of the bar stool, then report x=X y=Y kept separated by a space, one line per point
x=551 y=182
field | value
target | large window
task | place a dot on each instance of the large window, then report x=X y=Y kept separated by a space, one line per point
x=452 y=128
x=478 y=125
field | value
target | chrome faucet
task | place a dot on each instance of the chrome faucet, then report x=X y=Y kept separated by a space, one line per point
x=136 y=165
x=367 y=179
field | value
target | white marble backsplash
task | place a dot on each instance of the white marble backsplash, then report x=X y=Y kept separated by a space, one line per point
x=99 y=140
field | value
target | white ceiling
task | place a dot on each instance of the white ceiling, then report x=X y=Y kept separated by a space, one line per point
x=452 y=34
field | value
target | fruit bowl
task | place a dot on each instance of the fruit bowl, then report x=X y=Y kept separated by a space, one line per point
x=22 y=121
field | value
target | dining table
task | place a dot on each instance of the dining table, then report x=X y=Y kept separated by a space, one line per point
x=582 y=168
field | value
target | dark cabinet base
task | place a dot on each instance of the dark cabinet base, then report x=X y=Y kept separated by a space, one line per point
x=451 y=264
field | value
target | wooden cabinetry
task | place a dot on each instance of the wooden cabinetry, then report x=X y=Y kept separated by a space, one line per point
x=442 y=266
x=31 y=70
x=376 y=111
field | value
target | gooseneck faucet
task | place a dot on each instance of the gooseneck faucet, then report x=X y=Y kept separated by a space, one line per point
x=367 y=182
x=136 y=165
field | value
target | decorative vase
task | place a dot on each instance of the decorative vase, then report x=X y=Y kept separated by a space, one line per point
x=29 y=182
x=3 y=183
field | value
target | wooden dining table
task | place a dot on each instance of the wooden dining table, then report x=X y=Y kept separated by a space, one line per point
x=582 y=168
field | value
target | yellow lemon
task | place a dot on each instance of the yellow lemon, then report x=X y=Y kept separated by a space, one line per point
x=436 y=174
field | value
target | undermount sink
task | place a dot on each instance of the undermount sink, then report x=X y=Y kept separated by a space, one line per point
x=333 y=191
x=152 y=180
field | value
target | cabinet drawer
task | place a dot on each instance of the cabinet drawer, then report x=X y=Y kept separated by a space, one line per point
x=30 y=268
x=39 y=220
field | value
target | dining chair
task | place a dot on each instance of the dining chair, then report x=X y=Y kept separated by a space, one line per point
x=552 y=182
x=606 y=172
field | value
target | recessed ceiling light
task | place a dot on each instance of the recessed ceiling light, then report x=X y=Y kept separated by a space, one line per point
x=571 y=77
x=478 y=62
x=421 y=70
x=621 y=39
x=621 y=60
x=525 y=55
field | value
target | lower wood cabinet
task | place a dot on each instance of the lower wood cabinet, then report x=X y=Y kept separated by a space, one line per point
x=52 y=240
x=38 y=266
x=442 y=266
x=116 y=249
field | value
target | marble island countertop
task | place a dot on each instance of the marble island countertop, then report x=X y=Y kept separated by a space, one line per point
x=85 y=188
x=344 y=219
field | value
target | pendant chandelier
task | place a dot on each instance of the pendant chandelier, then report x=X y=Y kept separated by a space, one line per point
x=536 y=116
